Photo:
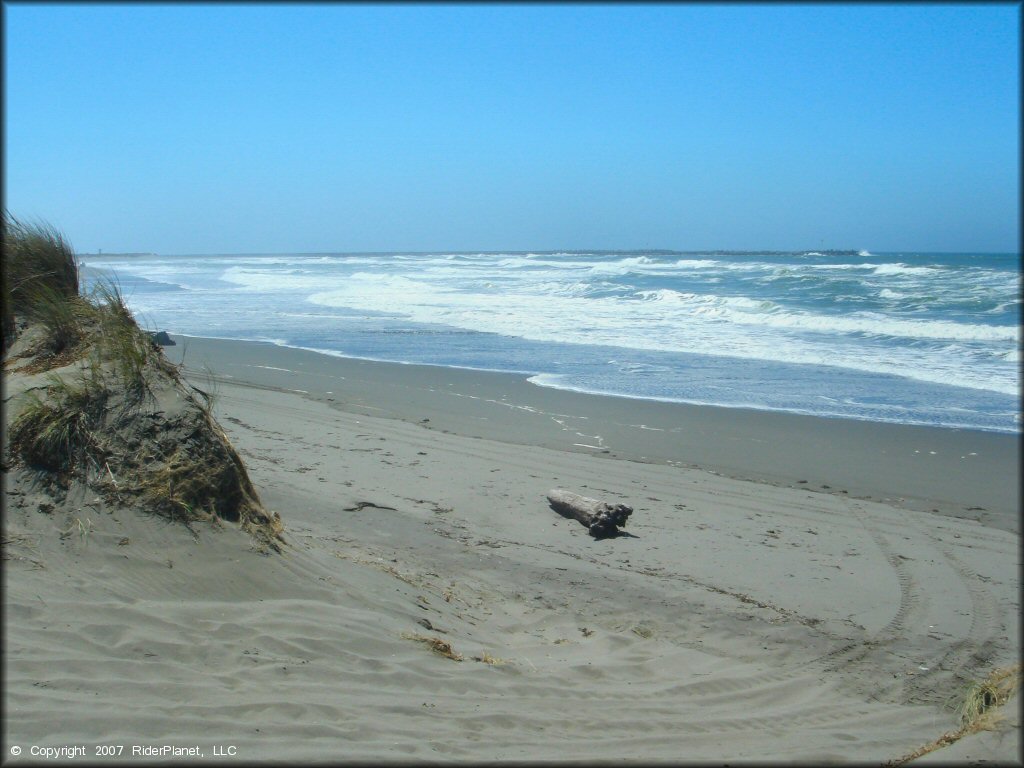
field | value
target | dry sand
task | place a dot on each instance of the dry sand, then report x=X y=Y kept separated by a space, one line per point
x=759 y=619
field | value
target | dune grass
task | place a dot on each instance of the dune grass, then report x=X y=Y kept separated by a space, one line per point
x=64 y=318
x=90 y=414
x=57 y=433
x=984 y=696
x=127 y=348
x=37 y=260
x=41 y=283
x=35 y=254
x=79 y=528
x=978 y=710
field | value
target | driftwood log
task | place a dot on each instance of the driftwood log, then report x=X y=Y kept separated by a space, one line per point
x=600 y=517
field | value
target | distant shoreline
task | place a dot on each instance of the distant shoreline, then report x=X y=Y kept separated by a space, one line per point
x=567 y=252
x=104 y=255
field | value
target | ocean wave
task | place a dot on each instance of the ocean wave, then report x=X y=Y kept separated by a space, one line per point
x=697 y=263
x=850 y=315
x=886 y=293
x=639 y=368
x=747 y=311
x=271 y=281
x=847 y=408
x=622 y=266
x=900 y=269
x=885 y=269
x=673 y=321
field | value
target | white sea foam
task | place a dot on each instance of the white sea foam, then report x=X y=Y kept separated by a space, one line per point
x=697 y=263
x=897 y=415
x=668 y=320
x=899 y=269
x=622 y=266
x=886 y=293
x=850 y=314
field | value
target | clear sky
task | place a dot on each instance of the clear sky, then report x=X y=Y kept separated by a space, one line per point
x=311 y=128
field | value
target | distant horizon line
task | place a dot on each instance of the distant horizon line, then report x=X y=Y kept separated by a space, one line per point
x=555 y=251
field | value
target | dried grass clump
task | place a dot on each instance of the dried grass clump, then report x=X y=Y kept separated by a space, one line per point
x=188 y=471
x=182 y=468
x=978 y=710
x=493 y=661
x=437 y=645
x=58 y=433
x=995 y=690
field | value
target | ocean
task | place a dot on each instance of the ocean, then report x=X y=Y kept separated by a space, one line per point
x=914 y=338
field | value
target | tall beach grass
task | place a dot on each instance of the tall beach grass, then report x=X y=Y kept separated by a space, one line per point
x=37 y=261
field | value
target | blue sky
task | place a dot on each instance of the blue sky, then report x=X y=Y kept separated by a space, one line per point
x=311 y=128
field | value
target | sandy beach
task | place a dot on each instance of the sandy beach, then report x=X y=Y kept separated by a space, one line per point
x=791 y=588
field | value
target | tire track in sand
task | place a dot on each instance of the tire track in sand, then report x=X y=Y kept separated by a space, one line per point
x=962 y=660
x=912 y=604
x=940 y=668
